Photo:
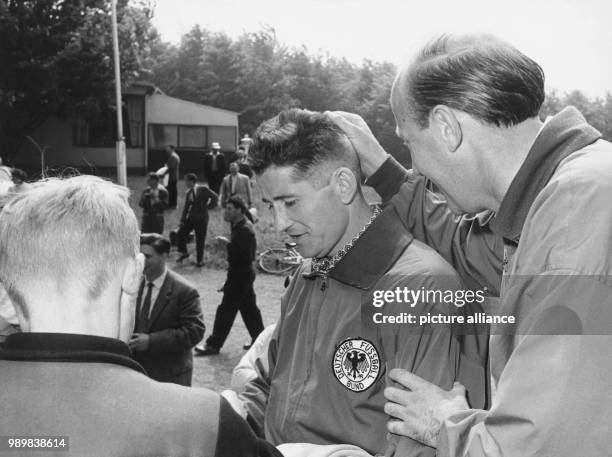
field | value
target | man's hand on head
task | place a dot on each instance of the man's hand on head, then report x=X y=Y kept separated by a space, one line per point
x=139 y=342
x=420 y=411
x=370 y=152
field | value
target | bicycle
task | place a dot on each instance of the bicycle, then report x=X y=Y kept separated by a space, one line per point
x=280 y=261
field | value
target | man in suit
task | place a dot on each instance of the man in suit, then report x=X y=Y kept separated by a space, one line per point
x=214 y=169
x=238 y=292
x=194 y=217
x=169 y=319
x=153 y=201
x=173 y=163
x=236 y=184
x=70 y=372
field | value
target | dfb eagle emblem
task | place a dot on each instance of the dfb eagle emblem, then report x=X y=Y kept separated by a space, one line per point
x=356 y=364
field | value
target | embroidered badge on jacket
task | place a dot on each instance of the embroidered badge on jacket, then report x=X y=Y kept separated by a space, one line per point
x=356 y=364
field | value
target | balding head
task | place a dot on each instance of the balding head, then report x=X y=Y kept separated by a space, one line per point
x=480 y=75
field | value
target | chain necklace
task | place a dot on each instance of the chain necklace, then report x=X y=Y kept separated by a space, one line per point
x=323 y=265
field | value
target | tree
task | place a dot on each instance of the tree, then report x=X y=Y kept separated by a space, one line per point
x=258 y=77
x=598 y=112
x=56 y=59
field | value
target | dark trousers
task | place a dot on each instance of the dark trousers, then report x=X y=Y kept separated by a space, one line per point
x=172 y=195
x=238 y=295
x=214 y=182
x=199 y=226
x=152 y=224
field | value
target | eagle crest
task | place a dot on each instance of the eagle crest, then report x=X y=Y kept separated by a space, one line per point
x=355 y=364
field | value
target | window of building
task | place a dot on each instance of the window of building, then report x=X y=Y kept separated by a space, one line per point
x=225 y=136
x=161 y=135
x=101 y=130
x=191 y=136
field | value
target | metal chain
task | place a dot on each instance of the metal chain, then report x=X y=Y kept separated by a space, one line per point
x=323 y=265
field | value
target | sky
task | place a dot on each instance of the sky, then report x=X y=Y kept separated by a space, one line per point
x=571 y=40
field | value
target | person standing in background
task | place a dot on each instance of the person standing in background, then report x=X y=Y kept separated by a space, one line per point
x=169 y=319
x=194 y=217
x=153 y=201
x=173 y=163
x=238 y=292
x=214 y=169
x=236 y=184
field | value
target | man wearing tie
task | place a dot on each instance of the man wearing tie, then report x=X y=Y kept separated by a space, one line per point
x=194 y=217
x=214 y=168
x=169 y=319
x=236 y=184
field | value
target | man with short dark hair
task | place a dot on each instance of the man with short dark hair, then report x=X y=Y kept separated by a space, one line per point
x=238 y=292
x=173 y=163
x=169 y=321
x=194 y=217
x=153 y=201
x=330 y=353
x=467 y=108
x=70 y=373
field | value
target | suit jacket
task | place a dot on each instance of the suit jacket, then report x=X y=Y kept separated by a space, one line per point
x=242 y=188
x=154 y=206
x=221 y=165
x=241 y=252
x=199 y=210
x=89 y=389
x=176 y=325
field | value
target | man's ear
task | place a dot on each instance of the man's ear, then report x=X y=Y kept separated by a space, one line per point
x=129 y=290
x=132 y=275
x=345 y=183
x=448 y=128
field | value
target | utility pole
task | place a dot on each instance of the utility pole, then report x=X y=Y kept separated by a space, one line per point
x=120 y=144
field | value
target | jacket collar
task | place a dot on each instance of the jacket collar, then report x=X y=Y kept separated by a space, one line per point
x=240 y=223
x=162 y=298
x=66 y=347
x=565 y=133
x=374 y=253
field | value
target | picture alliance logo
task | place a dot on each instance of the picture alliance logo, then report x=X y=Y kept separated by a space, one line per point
x=356 y=364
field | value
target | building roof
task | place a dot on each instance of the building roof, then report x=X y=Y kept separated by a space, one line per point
x=147 y=88
x=180 y=100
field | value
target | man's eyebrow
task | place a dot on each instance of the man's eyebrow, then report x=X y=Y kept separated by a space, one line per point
x=278 y=197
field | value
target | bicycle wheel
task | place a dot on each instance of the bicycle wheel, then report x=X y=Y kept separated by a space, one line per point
x=276 y=261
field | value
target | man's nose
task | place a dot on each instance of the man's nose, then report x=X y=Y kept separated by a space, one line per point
x=281 y=220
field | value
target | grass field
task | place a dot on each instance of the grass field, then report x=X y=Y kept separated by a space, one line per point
x=215 y=372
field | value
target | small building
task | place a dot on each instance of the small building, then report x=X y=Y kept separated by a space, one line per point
x=151 y=120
